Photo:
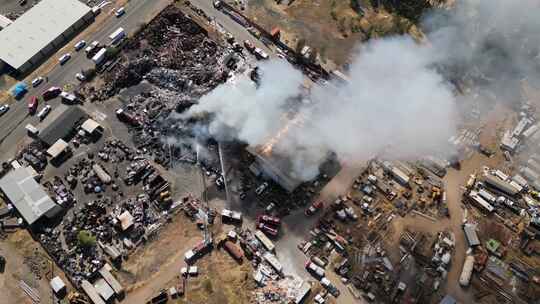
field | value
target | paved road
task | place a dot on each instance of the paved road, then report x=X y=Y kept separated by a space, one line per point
x=238 y=31
x=13 y=122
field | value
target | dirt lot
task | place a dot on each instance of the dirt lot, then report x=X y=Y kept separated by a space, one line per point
x=331 y=27
x=23 y=253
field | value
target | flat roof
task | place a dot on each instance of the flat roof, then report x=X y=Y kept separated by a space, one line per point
x=27 y=195
x=38 y=27
x=90 y=125
x=57 y=148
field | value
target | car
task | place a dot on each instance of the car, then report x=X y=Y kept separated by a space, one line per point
x=80 y=77
x=314 y=208
x=32 y=105
x=37 y=81
x=120 y=11
x=249 y=45
x=64 y=58
x=4 y=109
x=68 y=98
x=261 y=188
x=92 y=46
x=270 y=220
x=260 y=54
x=79 y=45
x=217 y=4
x=270 y=207
x=51 y=93
x=44 y=112
x=267 y=229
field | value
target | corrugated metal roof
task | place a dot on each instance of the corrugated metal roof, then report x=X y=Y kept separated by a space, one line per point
x=38 y=27
x=27 y=195
x=4 y=22
x=62 y=125
x=470 y=234
x=104 y=290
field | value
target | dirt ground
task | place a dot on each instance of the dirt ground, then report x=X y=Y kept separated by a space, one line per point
x=331 y=27
x=21 y=253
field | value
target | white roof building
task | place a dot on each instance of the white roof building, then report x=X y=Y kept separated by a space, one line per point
x=40 y=31
x=28 y=197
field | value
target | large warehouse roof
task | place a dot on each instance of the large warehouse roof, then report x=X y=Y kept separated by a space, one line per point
x=38 y=27
x=27 y=195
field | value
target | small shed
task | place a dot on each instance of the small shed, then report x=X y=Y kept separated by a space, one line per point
x=126 y=220
x=57 y=149
x=90 y=126
x=58 y=286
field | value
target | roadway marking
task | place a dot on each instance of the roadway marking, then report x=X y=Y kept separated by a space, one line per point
x=99 y=115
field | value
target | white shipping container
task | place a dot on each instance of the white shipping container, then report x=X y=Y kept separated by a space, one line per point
x=466 y=273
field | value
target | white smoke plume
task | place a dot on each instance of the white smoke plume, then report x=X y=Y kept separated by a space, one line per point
x=397 y=103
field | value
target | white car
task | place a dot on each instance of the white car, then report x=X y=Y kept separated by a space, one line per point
x=4 y=109
x=37 y=81
x=79 y=45
x=80 y=77
x=119 y=12
x=44 y=112
x=64 y=58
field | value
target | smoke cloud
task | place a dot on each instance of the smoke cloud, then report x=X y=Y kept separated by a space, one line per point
x=399 y=103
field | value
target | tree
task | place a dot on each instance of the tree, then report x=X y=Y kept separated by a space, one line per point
x=112 y=52
x=89 y=74
x=86 y=239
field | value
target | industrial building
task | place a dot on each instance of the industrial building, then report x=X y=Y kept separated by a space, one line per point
x=40 y=31
x=62 y=123
x=30 y=199
x=274 y=167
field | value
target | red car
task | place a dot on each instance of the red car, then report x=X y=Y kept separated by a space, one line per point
x=270 y=220
x=267 y=229
x=313 y=208
x=51 y=93
x=32 y=105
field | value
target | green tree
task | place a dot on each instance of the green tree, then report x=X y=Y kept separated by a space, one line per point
x=112 y=52
x=86 y=239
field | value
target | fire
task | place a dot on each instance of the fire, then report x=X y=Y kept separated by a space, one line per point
x=269 y=145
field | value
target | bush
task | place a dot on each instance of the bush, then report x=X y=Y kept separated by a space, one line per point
x=89 y=73
x=86 y=239
x=112 y=52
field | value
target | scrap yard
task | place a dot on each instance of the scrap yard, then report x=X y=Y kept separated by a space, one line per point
x=207 y=152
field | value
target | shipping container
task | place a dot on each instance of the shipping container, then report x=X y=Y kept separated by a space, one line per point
x=467 y=271
x=234 y=251
x=99 y=57
x=265 y=241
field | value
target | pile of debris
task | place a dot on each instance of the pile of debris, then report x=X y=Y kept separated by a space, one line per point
x=172 y=42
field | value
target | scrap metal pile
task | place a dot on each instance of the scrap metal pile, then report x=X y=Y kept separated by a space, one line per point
x=172 y=52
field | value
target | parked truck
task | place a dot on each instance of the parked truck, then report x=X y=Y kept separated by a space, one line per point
x=117 y=36
x=99 y=57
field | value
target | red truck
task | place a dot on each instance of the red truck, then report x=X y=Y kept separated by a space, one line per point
x=32 y=105
x=270 y=220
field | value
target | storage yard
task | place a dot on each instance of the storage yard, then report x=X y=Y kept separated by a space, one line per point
x=124 y=193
